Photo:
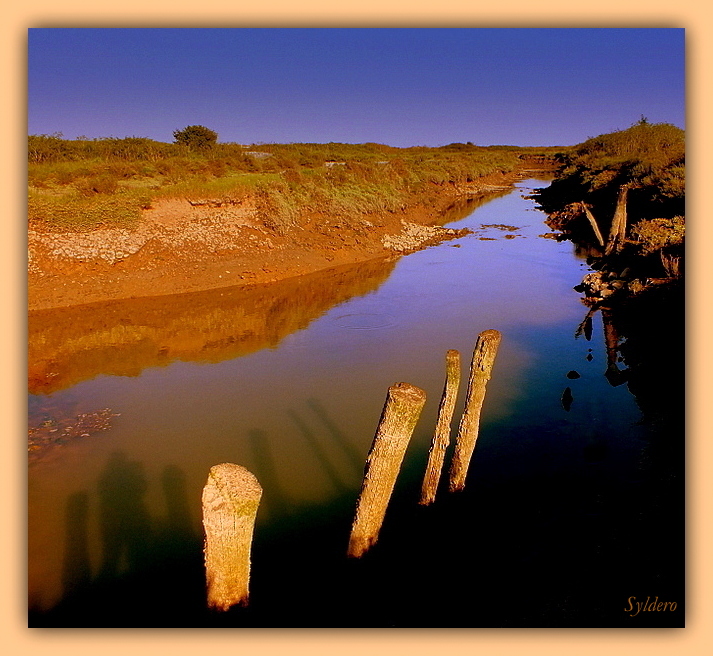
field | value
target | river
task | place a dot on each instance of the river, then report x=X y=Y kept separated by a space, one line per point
x=563 y=518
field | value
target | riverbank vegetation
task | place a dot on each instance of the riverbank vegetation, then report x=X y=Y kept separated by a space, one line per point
x=647 y=162
x=82 y=184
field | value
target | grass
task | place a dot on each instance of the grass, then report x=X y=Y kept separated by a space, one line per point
x=83 y=184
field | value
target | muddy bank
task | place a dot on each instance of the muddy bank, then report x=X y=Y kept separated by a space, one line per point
x=183 y=247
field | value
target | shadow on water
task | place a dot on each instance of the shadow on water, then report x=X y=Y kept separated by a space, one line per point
x=319 y=452
x=355 y=458
x=125 y=525
x=77 y=571
x=274 y=500
x=150 y=571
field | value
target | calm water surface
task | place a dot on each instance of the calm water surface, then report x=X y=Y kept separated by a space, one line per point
x=289 y=381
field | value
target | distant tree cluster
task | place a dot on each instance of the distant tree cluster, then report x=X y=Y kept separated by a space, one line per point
x=196 y=137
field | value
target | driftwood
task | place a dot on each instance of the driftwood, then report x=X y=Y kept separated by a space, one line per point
x=481 y=366
x=230 y=502
x=593 y=223
x=442 y=434
x=401 y=411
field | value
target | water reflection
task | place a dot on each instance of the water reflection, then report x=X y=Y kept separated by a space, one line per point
x=70 y=345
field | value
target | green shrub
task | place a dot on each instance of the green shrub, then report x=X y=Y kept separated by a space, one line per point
x=196 y=138
x=656 y=234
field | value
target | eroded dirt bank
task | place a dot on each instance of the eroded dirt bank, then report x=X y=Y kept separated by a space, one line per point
x=187 y=247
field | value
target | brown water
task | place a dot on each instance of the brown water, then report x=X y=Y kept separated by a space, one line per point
x=289 y=380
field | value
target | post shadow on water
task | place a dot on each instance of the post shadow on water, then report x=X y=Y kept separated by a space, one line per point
x=338 y=436
x=150 y=571
x=319 y=452
x=531 y=542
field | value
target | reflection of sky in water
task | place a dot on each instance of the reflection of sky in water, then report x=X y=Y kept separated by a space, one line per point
x=302 y=415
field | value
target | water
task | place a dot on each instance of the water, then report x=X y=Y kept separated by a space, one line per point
x=289 y=381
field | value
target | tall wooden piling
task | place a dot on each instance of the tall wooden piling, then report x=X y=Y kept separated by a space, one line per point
x=617 y=232
x=230 y=502
x=442 y=434
x=486 y=348
x=401 y=411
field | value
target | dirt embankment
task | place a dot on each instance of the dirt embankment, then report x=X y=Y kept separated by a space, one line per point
x=186 y=247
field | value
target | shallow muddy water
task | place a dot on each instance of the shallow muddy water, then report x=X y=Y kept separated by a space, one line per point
x=563 y=518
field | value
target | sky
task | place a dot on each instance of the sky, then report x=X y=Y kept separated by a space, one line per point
x=401 y=87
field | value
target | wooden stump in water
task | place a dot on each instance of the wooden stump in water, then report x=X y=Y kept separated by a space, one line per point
x=230 y=502
x=486 y=348
x=442 y=434
x=401 y=411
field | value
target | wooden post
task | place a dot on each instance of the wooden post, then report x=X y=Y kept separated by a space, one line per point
x=617 y=232
x=593 y=223
x=230 y=502
x=401 y=411
x=486 y=348
x=442 y=434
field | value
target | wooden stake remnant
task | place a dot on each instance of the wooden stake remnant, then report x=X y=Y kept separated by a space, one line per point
x=593 y=223
x=401 y=411
x=230 y=502
x=442 y=434
x=617 y=232
x=486 y=348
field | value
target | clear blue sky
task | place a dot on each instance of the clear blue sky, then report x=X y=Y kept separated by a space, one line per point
x=402 y=87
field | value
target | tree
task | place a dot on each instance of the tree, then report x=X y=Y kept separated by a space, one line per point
x=196 y=137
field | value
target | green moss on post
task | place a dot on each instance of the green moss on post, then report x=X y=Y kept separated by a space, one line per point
x=486 y=348
x=401 y=411
x=230 y=501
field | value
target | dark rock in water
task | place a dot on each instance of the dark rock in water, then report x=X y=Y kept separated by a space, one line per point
x=572 y=375
x=567 y=399
x=588 y=329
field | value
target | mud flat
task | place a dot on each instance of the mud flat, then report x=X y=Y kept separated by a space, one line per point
x=182 y=247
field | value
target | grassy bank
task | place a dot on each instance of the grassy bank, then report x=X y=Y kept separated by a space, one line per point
x=649 y=161
x=79 y=185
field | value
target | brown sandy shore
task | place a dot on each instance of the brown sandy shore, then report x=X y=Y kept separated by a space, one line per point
x=181 y=247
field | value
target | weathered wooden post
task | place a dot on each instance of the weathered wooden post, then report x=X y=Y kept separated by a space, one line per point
x=401 y=411
x=486 y=348
x=617 y=232
x=442 y=434
x=230 y=502
x=593 y=223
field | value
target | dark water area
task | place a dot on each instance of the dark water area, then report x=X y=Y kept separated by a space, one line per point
x=572 y=512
